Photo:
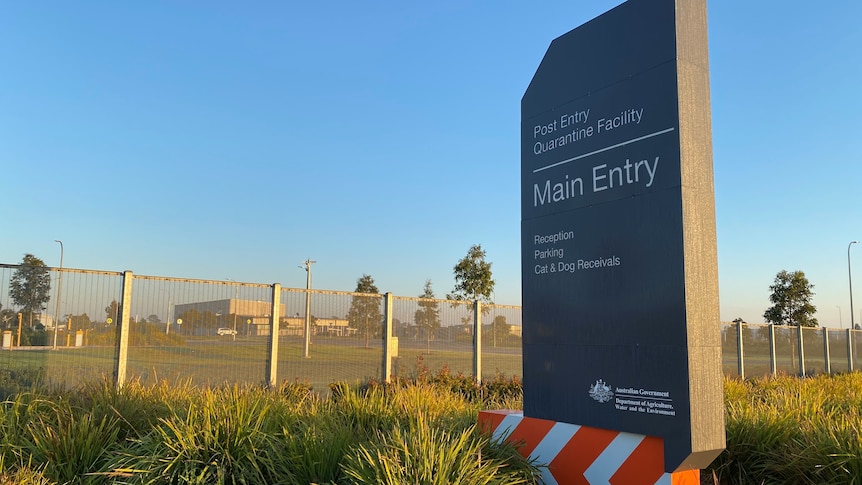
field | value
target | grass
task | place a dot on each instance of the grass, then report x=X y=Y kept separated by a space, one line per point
x=781 y=430
x=175 y=432
x=787 y=430
x=217 y=361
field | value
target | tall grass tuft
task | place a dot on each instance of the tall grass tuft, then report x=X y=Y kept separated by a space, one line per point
x=224 y=436
x=15 y=380
x=70 y=443
x=313 y=448
x=421 y=454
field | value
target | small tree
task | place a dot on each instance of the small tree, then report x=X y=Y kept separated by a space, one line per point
x=30 y=286
x=364 y=313
x=791 y=300
x=473 y=280
x=500 y=327
x=428 y=315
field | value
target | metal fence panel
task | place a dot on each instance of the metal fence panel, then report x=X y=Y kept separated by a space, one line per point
x=501 y=342
x=429 y=345
x=786 y=350
x=815 y=358
x=729 y=362
x=755 y=344
x=344 y=338
x=206 y=332
x=198 y=331
x=69 y=338
x=838 y=350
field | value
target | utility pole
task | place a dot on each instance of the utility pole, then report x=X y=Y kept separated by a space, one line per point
x=306 y=265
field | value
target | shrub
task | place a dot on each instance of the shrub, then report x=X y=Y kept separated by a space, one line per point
x=422 y=454
x=17 y=380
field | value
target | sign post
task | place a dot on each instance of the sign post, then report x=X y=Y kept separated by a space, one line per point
x=619 y=266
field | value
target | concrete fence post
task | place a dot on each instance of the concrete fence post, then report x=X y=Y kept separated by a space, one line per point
x=801 y=350
x=272 y=358
x=826 y=358
x=388 y=346
x=477 y=341
x=740 y=361
x=123 y=324
x=773 y=359
x=849 y=350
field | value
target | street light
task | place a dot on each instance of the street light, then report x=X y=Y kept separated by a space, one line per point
x=306 y=265
x=840 y=320
x=236 y=308
x=59 y=288
x=850 y=279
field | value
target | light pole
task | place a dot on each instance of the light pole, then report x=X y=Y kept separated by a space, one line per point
x=168 y=326
x=306 y=265
x=850 y=279
x=59 y=288
x=236 y=308
x=840 y=320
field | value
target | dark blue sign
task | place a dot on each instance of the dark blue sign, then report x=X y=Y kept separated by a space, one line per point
x=604 y=234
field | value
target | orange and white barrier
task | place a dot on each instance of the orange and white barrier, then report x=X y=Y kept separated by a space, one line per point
x=582 y=455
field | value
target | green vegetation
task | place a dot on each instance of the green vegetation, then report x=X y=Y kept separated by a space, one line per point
x=791 y=295
x=30 y=288
x=473 y=277
x=787 y=430
x=427 y=317
x=416 y=431
x=365 y=314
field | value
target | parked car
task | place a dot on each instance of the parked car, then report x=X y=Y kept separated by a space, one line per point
x=226 y=331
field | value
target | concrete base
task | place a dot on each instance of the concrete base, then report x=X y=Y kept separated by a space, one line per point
x=583 y=455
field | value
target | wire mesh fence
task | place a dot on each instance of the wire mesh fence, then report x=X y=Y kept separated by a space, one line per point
x=757 y=350
x=68 y=326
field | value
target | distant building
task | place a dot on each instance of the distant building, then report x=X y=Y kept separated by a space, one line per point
x=253 y=318
x=337 y=327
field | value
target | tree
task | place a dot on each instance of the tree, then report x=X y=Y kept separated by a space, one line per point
x=364 y=313
x=154 y=319
x=427 y=316
x=499 y=327
x=473 y=279
x=30 y=286
x=8 y=319
x=791 y=300
x=81 y=322
x=189 y=318
x=112 y=311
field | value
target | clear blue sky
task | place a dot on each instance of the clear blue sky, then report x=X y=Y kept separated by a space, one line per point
x=233 y=140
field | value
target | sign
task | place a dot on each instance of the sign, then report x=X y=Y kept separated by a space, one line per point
x=620 y=299
x=179 y=321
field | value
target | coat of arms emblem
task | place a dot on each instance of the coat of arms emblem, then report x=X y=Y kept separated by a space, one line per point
x=601 y=392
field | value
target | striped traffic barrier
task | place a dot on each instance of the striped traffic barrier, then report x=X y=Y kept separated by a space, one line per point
x=583 y=455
